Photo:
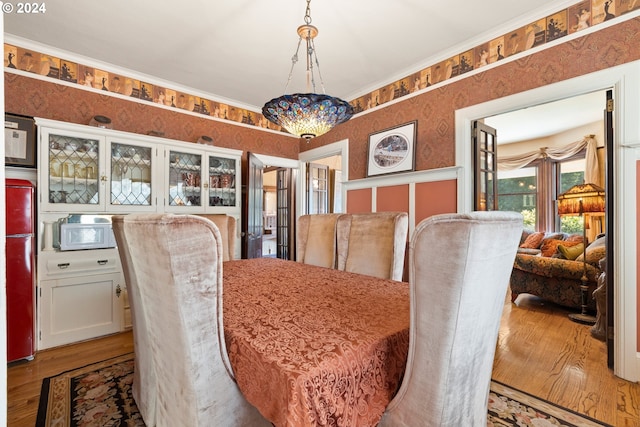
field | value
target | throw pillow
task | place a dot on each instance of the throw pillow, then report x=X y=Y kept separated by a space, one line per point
x=533 y=240
x=595 y=251
x=555 y=236
x=574 y=238
x=571 y=251
x=550 y=246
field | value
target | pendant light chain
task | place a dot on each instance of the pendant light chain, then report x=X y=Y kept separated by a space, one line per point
x=294 y=61
x=307 y=13
x=307 y=115
x=311 y=54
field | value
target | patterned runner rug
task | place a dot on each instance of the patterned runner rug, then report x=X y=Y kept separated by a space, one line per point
x=100 y=395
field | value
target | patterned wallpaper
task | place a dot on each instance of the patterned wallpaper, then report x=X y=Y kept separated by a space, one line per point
x=38 y=98
x=577 y=17
x=567 y=21
x=435 y=109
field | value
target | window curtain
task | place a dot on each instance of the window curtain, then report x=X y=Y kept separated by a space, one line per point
x=592 y=173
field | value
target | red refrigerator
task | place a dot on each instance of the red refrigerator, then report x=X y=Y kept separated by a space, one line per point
x=20 y=269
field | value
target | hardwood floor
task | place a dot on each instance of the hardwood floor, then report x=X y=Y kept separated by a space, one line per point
x=540 y=351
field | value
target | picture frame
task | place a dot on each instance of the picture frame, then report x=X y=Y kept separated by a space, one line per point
x=392 y=150
x=19 y=141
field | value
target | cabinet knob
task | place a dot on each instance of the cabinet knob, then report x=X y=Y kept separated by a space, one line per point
x=102 y=261
x=118 y=291
x=63 y=265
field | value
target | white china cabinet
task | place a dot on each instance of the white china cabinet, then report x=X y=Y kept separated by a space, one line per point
x=86 y=171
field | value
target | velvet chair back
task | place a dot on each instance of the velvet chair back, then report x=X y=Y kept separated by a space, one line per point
x=227 y=226
x=459 y=267
x=316 y=239
x=144 y=386
x=177 y=262
x=372 y=243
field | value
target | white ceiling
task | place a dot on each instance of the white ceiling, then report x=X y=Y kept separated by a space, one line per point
x=239 y=51
x=544 y=120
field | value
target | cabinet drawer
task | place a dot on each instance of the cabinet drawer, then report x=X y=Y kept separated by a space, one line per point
x=73 y=263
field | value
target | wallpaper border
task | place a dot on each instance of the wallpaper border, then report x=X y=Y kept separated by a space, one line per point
x=567 y=21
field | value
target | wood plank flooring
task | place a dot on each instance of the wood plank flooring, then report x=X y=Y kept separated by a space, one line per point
x=540 y=351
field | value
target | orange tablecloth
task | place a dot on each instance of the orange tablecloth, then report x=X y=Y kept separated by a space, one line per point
x=312 y=346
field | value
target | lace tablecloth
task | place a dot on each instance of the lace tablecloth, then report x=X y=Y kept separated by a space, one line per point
x=312 y=346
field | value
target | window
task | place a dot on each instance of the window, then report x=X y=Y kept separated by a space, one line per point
x=571 y=172
x=533 y=190
x=518 y=191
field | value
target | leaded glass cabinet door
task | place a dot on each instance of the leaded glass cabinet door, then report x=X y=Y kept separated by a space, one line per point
x=184 y=180
x=131 y=176
x=74 y=171
x=485 y=168
x=222 y=181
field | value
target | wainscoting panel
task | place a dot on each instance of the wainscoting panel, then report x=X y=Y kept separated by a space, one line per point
x=420 y=194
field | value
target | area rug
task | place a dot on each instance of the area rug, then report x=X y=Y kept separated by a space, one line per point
x=100 y=395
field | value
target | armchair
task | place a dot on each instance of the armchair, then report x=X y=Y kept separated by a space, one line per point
x=459 y=267
x=316 y=239
x=227 y=226
x=373 y=243
x=144 y=387
x=177 y=263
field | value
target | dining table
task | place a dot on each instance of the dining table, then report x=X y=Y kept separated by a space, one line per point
x=314 y=346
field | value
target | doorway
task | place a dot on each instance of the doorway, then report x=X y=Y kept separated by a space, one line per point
x=269 y=207
x=336 y=156
x=624 y=82
x=541 y=152
x=278 y=212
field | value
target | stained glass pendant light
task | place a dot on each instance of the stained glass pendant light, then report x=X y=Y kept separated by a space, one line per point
x=307 y=115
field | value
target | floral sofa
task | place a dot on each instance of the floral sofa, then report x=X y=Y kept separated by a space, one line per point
x=551 y=268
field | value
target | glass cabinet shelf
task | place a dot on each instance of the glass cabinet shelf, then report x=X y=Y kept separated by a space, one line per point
x=185 y=179
x=222 y=181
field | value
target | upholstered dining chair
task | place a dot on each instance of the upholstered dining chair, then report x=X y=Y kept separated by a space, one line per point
x=227 y=226
x=316 y=239
x=177 y=263
x=144 y=378
x=372 y=243
x=459 y=268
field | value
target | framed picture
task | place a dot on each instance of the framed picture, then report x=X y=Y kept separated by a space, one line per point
x=392 y=150
x=19 y=141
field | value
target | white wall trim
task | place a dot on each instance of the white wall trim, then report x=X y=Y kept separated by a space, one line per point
x=279 y=162
x=430 y=175
x=627 y=271
x=625 y=82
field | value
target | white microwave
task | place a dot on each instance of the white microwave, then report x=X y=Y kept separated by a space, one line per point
x=76 y=236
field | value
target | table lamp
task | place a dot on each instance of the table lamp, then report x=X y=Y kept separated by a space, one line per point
x=582 y=199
